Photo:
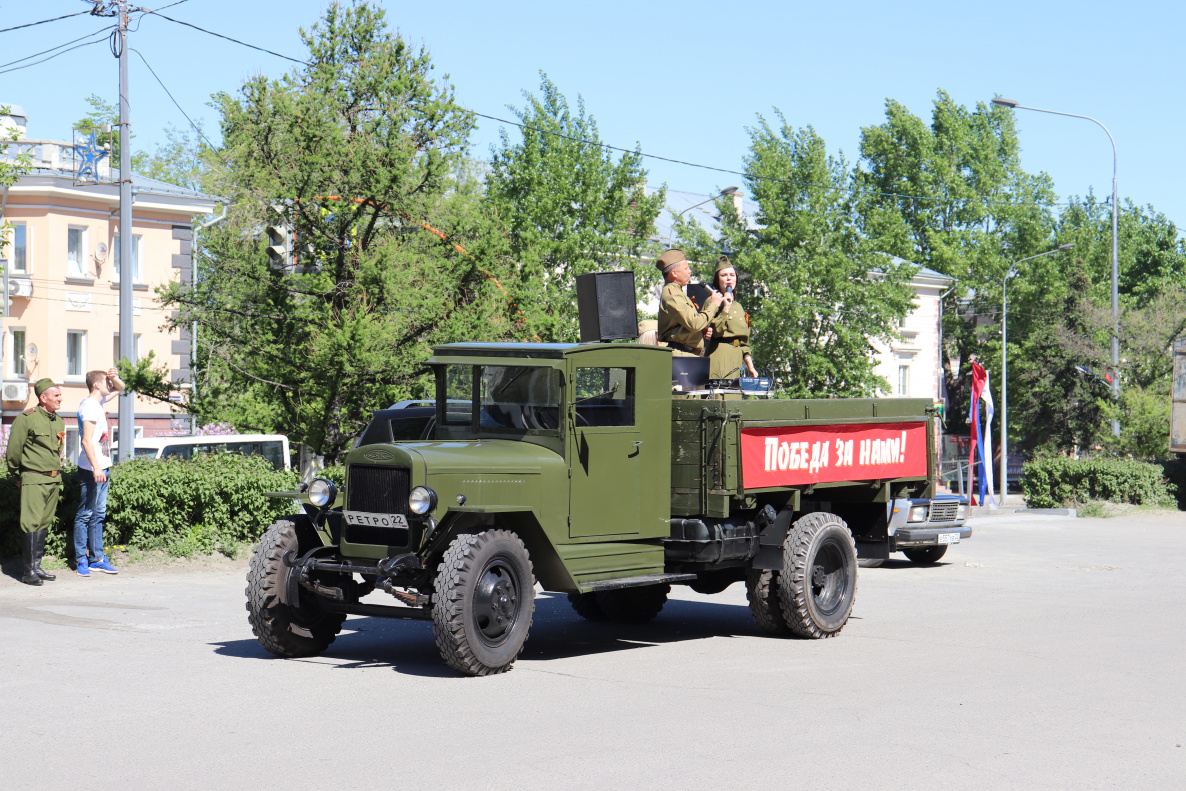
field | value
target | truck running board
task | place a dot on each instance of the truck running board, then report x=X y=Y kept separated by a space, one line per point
x=634 y=582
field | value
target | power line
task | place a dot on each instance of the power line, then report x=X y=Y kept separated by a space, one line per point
x=228 y=38
x=42 y=22
x=197 y=128
x=51 y=49
x=51 y=57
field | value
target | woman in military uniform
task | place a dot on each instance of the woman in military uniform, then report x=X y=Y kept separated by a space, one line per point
x=728 y=342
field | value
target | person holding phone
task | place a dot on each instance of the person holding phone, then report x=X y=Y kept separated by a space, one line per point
x=94 y=459
x=728 y=335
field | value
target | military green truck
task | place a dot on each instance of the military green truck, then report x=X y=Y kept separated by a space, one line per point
x=576 y=467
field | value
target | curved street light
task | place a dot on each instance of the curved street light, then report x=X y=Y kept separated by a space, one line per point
x=1005 y=367
x=1001 y=102
x=721 y=194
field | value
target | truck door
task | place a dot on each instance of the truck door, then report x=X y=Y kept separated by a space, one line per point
x=606 y=453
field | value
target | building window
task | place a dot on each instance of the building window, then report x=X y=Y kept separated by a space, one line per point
x=19 y=252
x=903 y=380
x=135 y=259
x=75 y=354
x=16 y=357
x=76 y=253
x=71 y=445
x=115 y=358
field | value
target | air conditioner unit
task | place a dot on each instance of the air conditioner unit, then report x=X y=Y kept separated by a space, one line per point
x=19 y=287
x=16 y=391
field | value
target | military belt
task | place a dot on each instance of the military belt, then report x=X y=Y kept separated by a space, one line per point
x=50 y=474
x=689 y=349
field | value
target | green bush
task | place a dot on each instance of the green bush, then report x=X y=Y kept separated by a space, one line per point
x=208 y=503
x=1061 y=481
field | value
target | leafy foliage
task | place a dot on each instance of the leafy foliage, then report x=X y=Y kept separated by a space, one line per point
x=568 y=209
x=816 y=288
x=1054 y=482
x=364 y=152
x=201 y=505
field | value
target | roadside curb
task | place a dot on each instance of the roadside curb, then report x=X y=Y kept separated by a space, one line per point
x=979 y=511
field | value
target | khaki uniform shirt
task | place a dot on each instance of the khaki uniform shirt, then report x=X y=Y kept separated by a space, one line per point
x=681 y=322
x=35 y=443
x=729 y=344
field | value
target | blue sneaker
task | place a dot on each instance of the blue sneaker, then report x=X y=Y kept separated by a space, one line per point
x=83 y=569
x=104 y=565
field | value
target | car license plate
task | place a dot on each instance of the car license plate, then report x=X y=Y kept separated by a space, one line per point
x=376 y=520
x=949 y=538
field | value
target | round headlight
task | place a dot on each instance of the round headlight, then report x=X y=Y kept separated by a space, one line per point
x=422 y=500
x=322 y=492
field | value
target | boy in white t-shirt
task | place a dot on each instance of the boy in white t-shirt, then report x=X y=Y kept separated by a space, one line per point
x=94 y=459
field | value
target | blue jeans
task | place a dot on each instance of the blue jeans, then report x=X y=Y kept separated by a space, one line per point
x=88 y=523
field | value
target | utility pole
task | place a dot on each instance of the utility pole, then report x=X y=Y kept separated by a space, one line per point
x=127 y=399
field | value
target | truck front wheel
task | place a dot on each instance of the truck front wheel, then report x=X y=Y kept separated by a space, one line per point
x=287 y=629
x=818 y=584
x=483 y=600
x=926 y=555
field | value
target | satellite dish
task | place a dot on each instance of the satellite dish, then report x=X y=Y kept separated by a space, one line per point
x=31 y=351
x=101 y=252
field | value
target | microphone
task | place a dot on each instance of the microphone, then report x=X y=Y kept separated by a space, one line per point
x=729 y=290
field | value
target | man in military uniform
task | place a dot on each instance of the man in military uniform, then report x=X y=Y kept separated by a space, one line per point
x=681 y=323
x=35 y=454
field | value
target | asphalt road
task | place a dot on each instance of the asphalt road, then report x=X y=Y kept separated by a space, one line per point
x=1045 y=652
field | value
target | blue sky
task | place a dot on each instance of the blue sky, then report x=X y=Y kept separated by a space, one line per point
x=683 y=80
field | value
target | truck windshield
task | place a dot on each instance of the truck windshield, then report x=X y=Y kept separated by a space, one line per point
x=514 y=397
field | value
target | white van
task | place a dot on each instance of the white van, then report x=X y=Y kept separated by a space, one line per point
x=273 y=447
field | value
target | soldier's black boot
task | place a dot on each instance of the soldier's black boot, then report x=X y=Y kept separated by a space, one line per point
x=39 y=554
x=28 y=562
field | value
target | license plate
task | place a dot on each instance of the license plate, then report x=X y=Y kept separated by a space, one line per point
x=376 y=520
x=949 y=538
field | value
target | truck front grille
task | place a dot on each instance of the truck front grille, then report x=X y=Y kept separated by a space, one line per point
x=943 y=510
x=378 y=490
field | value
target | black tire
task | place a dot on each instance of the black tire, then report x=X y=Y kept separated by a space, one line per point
x=710 y=582
x=819 y=581
x=633 y=605
x=926 y=555
x=287 y=629
x=484 y=597
x=761 y=589
x=586 y=606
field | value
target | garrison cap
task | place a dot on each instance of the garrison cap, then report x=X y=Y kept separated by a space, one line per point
x=723 y=263
x=43 y=385
x=670 y=258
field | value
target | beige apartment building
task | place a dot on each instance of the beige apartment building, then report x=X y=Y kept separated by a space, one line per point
x=64 y=272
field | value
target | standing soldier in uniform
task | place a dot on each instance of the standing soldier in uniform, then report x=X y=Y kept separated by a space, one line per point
x=728 y=343
x=35 y=453
x=681 y=323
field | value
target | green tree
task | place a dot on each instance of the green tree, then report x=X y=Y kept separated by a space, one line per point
x=364 y=152
x=12 y=167
x=962 y=205
x=568 y=208
x=816 y=289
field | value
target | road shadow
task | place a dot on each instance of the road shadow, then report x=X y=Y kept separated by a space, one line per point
x=557 y=632
x=895 y=563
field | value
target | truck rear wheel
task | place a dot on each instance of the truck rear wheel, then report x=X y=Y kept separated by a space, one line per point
x=586 y=606
x=287 y=629
x=633 y=605
x=761 y=589
x=926 y=555
x=818 y=584
x=484 y=597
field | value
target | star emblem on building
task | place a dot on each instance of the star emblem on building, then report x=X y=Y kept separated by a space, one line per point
x=88 y=154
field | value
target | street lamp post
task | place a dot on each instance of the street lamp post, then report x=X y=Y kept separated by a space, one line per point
x=721 y=194
x=1005 y=367
x=1115 y=247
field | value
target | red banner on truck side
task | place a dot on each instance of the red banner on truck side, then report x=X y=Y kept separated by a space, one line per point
x=791 y=456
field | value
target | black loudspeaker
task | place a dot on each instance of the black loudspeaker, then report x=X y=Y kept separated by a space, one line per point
x=698 y=293
x=606 y=306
